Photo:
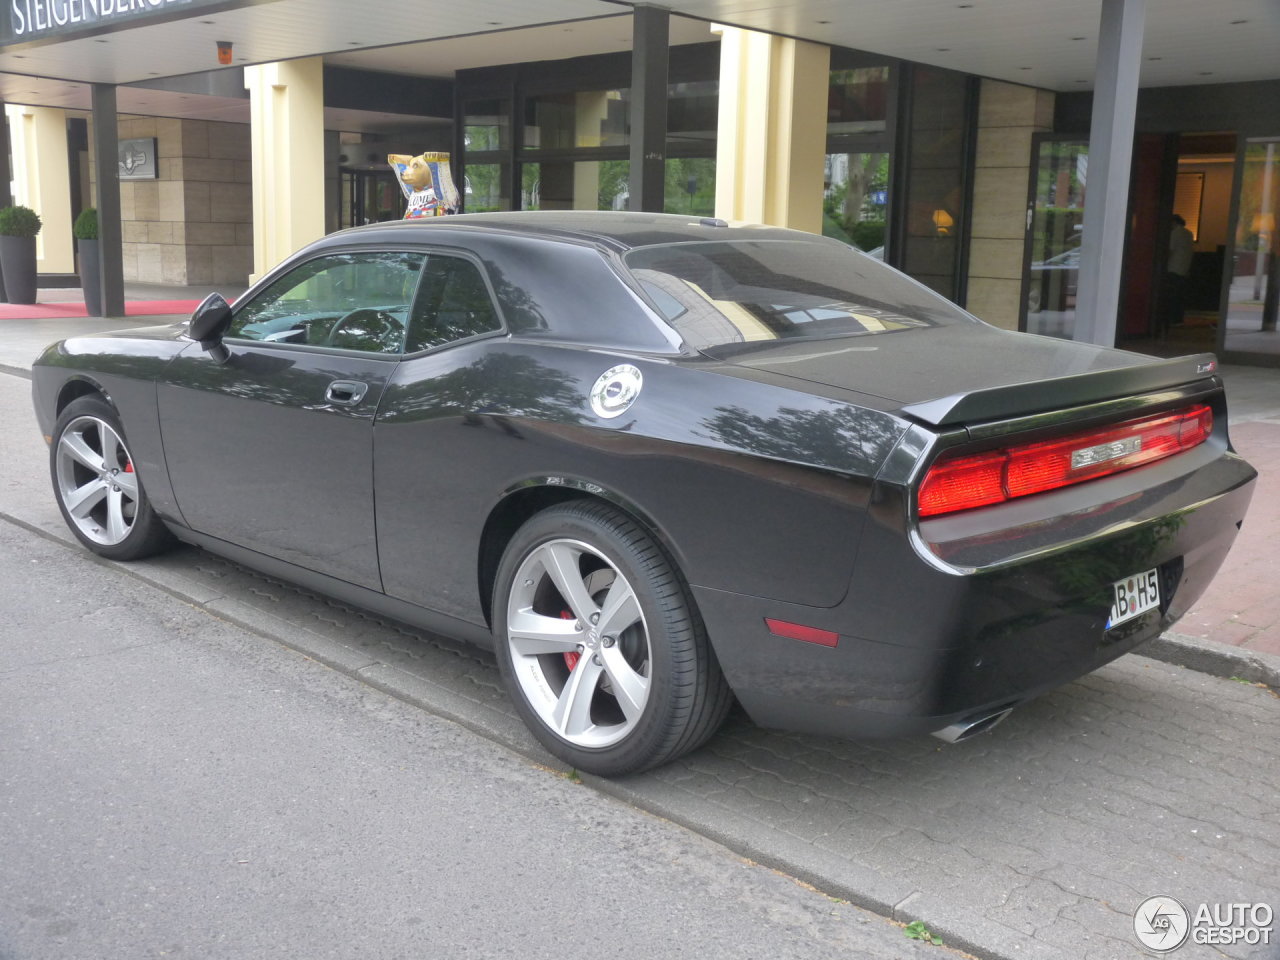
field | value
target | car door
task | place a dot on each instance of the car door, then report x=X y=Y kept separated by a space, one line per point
x=273 y=450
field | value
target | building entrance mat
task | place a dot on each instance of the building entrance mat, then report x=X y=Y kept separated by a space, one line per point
x=76 y=308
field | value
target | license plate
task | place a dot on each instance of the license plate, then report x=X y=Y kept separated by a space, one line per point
x=1133 y=596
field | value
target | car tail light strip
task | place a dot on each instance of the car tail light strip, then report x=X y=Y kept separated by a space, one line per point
x=978 y=480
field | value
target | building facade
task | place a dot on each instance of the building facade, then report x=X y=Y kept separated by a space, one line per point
x=975 y=183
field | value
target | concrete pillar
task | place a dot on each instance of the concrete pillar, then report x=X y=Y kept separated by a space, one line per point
x=286 y=110
x=1106 y=204
x=772 y=132
x=42 y=180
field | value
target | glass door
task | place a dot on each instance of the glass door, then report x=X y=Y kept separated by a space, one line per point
x=1254 y=293
x=1055 y=228
x=368 y=196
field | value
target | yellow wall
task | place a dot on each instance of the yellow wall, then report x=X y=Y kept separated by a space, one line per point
x=772 y=132
x=286 y=102
x=42 y=181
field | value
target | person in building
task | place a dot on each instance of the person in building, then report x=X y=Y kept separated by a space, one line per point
x=1176 y=273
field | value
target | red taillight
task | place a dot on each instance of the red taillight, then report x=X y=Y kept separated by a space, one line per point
x=964 y=482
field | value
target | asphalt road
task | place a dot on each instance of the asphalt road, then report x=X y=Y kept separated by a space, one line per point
x=1037 y=840
x=172 y=785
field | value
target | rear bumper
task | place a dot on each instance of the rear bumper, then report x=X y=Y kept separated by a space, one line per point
x=925 y=642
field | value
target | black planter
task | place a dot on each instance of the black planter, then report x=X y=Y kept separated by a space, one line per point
x=90 y=276
x=18 y=261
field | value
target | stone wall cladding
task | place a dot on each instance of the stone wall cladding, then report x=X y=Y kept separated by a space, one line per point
x=193 y=225
x=1008 y=115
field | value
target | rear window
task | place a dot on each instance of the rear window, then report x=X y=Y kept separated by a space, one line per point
x=719 y=295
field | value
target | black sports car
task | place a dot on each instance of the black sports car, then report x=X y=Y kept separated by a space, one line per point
x=658 y=463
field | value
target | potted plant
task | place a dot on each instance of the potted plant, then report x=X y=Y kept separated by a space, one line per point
x=18 y=228
x=86 y=233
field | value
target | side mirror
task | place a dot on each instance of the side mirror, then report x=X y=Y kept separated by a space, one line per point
x=209 y=323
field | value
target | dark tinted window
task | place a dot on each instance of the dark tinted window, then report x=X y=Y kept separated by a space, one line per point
x=453 y=304
x=716 y=294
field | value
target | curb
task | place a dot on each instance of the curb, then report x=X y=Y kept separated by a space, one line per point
x=1217 y=659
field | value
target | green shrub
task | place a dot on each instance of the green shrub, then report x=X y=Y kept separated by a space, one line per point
x=19 y=222
x=86 y=225
x=867 y=234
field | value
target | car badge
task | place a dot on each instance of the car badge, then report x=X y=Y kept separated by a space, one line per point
x=615 y=390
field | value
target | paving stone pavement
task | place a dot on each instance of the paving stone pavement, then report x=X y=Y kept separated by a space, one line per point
x=1036 y=840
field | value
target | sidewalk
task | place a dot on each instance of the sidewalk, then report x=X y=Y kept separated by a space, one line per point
x=1237 y=618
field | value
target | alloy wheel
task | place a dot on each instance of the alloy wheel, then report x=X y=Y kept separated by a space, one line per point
x=579 y=644
x=96 y=480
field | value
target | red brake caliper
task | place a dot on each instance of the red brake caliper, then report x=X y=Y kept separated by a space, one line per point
x=128 y=467
x=570 y=658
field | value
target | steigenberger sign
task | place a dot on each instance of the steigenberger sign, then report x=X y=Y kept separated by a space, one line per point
x=35 y=19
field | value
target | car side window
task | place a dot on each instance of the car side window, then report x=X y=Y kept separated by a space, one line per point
x=348 y=301
x=453 y=303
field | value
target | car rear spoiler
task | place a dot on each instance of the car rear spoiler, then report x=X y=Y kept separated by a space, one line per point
x=1038 y=396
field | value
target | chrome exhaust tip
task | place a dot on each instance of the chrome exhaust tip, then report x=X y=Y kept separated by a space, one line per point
x=967 y=729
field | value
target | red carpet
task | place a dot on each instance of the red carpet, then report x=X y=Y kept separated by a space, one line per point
x=75 y=308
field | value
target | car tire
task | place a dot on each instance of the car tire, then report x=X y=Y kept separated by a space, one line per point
x=600 y=645
x=99 y=493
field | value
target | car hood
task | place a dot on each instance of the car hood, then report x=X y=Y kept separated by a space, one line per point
x=949 y=374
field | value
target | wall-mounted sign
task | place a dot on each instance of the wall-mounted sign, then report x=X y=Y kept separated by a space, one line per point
x=32 y=19
x=137 y=159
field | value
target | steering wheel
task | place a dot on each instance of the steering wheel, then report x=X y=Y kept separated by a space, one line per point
x=378 y=325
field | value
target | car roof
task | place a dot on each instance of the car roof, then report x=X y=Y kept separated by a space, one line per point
x=615 y=230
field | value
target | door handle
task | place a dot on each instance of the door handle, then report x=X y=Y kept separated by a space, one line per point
x=346 y=393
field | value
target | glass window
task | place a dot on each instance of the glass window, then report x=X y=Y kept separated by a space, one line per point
x=565 y=121
x=575 y=185
x=1253 y=303
x=727 y=293
x=934 y=178
x=349 y=301
x=486 y=125
x=690 y=186
x=858 y=100
x=693 y=112
x=486 y=187
x=855 y=200
x=1057 y=227
x=453 y=304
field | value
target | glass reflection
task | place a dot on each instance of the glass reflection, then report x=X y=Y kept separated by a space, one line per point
x=1255 y=281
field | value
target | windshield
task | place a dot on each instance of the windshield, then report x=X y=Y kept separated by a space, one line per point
x=742 y=292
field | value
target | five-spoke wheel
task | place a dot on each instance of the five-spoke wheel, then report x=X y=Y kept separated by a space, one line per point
x=599 y=643
x=97 y=486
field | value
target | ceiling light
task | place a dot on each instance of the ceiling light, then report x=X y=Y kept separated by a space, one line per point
x=1236 y=23
x=1206 y=73
x=823 y=22
x=964 y=6
x=1024 y=68
x=208 y=21
x=1155 y=58
x=101 y=41
x=1079 y=38
x=943 y=49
